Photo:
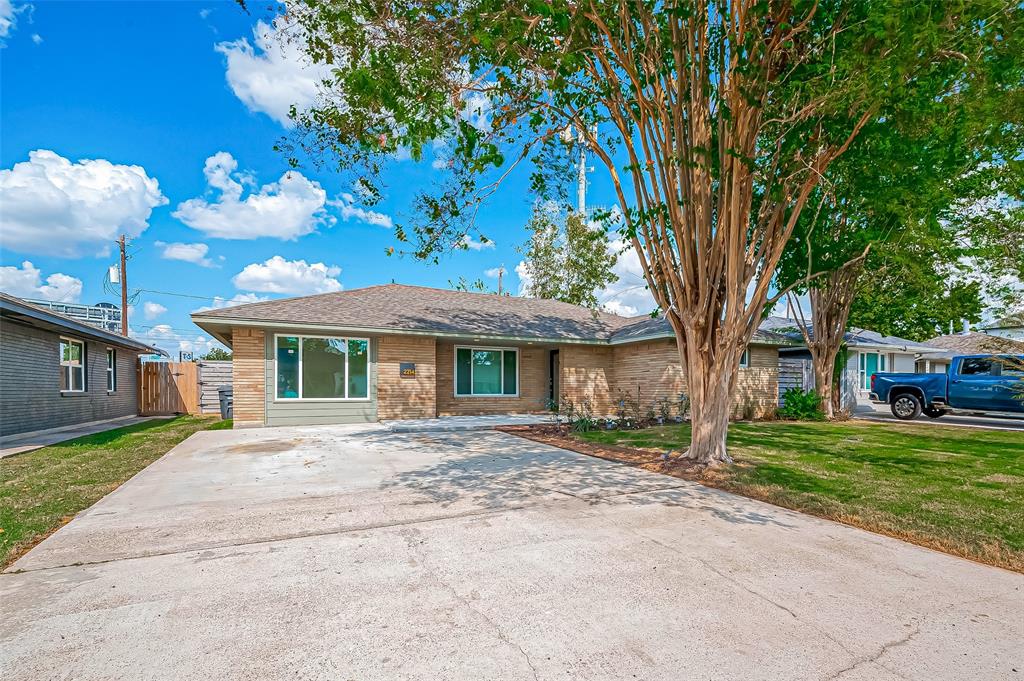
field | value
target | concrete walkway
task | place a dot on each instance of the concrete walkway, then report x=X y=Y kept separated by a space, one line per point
x=357 y=552
x=26 y=442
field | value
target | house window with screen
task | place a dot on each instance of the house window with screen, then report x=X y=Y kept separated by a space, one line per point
x=111 y=370
x=482 y=372
x=322 y=368
x=72 y=365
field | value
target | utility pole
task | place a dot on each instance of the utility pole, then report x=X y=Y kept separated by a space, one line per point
x=124 y=289
x=581 y=189
x=501 y=271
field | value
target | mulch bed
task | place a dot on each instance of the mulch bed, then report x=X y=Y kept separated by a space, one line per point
x=647 y=459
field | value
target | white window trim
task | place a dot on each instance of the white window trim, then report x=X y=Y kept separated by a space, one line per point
x=111 y=370
x=882 y=364
x=471 y=348
x=745 y=359
x=81 y=363
x=277 y=374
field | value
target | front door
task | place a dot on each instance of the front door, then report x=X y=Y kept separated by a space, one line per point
x=870 y=363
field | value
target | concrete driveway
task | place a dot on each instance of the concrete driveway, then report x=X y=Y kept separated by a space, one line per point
x=361 y=553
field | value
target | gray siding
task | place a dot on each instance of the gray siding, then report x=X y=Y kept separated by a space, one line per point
x=299 y=413
x=212 y=375
x=30 y=397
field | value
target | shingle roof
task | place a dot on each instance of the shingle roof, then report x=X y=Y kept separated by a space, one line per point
x=853 y=337
x=646 y=327
x=974 y=344
x=417 y=308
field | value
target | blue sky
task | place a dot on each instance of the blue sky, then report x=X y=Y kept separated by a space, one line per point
x=126 y=105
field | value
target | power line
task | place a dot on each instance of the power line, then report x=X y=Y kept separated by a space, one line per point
x=179 y=295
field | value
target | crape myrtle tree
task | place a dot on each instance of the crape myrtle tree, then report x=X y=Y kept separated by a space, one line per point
x=714 y=121
x=901 y=220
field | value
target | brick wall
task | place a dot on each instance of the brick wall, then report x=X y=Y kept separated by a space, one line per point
x=533 y=384
x=586 y=372
x=405 y=398
x=248 y=377
x=654 y=367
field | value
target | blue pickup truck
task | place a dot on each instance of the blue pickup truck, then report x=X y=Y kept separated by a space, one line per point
x=974 y=383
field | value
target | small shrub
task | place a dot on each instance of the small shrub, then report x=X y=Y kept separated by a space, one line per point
x=801 y=406
x=664 y=409
x=682 y=406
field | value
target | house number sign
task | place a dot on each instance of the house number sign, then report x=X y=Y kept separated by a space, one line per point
x=407 y=369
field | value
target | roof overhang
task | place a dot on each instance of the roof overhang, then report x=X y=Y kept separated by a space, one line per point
x=15 y=310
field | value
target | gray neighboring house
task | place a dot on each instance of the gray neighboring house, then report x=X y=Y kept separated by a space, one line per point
x=966 y=343
x=56 y=371
x=869 y=352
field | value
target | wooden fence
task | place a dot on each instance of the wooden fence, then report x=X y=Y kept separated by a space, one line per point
x=168 y=388
x=212 y=375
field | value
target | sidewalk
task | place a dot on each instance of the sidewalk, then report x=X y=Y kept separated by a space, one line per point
x=26 y=442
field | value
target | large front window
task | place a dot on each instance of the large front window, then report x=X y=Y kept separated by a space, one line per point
x=72 y=365
x=486 y=371
x=322 y=368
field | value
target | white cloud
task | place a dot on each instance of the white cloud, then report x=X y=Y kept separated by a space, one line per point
x=278 y=275
x=152 y=310
x=9 y=17
x=37 y=39
x=27 y=282
x=194 y=253
x=272 y=75
x=629 y=295
x=55 y=207
x=494 y=272
x=345 y=205
x=286 y=209
x=238 y=299
x=467 y=241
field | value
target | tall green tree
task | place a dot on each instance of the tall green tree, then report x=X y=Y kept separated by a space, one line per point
x=896 y=223
x=566 y=259
x=714 y=121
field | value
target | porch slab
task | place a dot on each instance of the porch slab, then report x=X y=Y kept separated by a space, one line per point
x=446 y=424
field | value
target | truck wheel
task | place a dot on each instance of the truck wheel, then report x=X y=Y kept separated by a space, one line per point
x=933 y=413
x=906 y=407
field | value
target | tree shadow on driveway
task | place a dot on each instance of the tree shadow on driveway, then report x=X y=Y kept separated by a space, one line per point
x=498 y=470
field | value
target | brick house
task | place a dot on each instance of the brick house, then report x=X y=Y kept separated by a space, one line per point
x=395 y=351
x=57 y=371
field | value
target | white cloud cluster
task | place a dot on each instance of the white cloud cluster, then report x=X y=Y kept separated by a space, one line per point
x=9 y=17
x=194 y=253
x=286 y=209
x=345 y=204
x=238 y=299
x=270 y=74
x=472 y=244
x=494 y=272
x=27 y=282
x=629 y=295
x=56 y=207
x=152 y=310
x=297 y=277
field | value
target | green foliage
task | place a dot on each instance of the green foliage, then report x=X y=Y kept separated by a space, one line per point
x=217 y=354
x=801 y=406
x=464 y=284
x=566 y=259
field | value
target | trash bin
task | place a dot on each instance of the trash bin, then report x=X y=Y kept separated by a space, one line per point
x=225 y=393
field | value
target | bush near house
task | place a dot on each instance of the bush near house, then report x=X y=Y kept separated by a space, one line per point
x=43 y=489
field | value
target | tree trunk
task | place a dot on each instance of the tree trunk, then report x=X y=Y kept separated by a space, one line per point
x=710 y=391
x=824 y=373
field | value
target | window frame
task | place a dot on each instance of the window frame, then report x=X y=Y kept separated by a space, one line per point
x=745 y=359
x=345 y=339
x=111 y=370
x=66 y=366
x=485 y=348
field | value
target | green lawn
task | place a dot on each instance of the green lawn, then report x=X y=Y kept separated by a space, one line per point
x=957 y=489
x=43 y=489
